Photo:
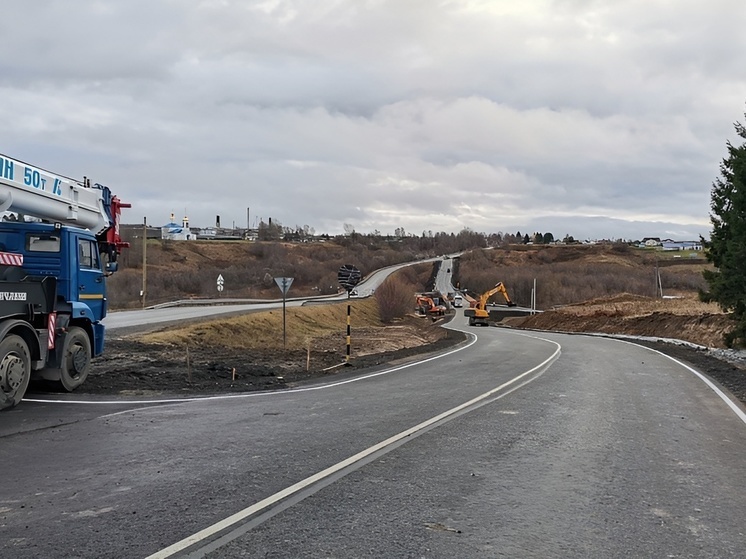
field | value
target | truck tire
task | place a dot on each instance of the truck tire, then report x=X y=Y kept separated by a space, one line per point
x=15 y=371
x=76 y=359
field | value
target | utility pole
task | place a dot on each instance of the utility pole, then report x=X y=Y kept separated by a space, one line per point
x=658 y=286
x=144 y=258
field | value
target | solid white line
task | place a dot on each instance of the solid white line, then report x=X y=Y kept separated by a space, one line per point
x=728 y=401
x=738 y=411
x=255 y=394
x=269 y=501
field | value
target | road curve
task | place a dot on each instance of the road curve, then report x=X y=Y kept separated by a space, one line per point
x=524 y=445
x=165 y=314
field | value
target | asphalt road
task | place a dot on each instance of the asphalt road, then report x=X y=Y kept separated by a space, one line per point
x=520 y=445
x=178 y=313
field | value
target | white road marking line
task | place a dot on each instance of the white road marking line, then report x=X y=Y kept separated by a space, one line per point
x=254 y=394
x=288 y=491
x=728 y=401
x=732 y=405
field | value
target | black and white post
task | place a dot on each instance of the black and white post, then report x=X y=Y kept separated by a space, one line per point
x=348 y=277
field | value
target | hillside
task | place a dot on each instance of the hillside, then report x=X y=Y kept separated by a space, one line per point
x=564 y=274
x=247 y=353
x=578 y=273
x=611 y=289
x=189 y=269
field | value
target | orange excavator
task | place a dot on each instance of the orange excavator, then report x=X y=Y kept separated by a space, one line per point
x=481 y=315
x=427 y=306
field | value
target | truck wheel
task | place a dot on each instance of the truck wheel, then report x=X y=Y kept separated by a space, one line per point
x=76 y=359
x=15 y=371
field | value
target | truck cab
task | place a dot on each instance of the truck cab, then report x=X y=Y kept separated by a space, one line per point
x=71 y=255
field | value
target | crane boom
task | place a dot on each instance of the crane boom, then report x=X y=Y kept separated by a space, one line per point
x=26 y=189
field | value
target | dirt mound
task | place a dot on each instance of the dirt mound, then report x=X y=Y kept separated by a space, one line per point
x=131 y=367
x=684 y=318
x=614 y=300
x=249 y=352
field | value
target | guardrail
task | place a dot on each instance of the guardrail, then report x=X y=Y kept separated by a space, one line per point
x=227 y=301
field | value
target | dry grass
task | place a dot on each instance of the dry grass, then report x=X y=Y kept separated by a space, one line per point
x=263 y=330
x=606 y=258
x=629 y=305
x=575 y=274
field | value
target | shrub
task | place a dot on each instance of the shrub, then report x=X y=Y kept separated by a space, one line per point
x=394 y=297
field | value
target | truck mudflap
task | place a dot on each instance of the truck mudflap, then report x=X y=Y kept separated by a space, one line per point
x=97 y=343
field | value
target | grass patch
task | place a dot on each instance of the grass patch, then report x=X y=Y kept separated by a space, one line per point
x=630 y=305
x=263 y=330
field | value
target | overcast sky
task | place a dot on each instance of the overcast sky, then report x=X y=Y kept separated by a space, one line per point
x=594 y=118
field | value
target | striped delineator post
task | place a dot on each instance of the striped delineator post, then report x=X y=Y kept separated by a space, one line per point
x=348 y=277
x=347 y=357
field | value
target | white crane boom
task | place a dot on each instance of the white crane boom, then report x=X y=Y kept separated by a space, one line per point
x=32 y=191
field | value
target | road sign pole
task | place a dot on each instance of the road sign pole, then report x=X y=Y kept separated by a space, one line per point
x=220 y=284
x=284 y=338
x=144 y=259
x=284 y=285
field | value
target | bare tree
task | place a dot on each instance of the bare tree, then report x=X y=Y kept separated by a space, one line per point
x=395 y=298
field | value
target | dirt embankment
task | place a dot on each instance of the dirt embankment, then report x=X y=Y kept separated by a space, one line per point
x=249 y=352
x=684 y=318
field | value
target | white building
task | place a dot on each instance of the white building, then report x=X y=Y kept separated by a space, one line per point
x=175 y=232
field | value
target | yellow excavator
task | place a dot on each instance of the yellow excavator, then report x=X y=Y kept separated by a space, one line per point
x=481 y=315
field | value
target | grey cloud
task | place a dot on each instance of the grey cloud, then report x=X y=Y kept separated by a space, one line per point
x=423 y=115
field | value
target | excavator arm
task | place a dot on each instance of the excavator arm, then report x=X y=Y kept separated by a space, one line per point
x=499 y=288
x=481 y=315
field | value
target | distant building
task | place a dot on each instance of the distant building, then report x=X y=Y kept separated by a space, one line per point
x=207 y=233
x=175 y=232
x=681 y=245
x=651 y=241
x=670 y=244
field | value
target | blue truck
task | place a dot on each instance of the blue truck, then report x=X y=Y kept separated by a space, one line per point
x=59 y=240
